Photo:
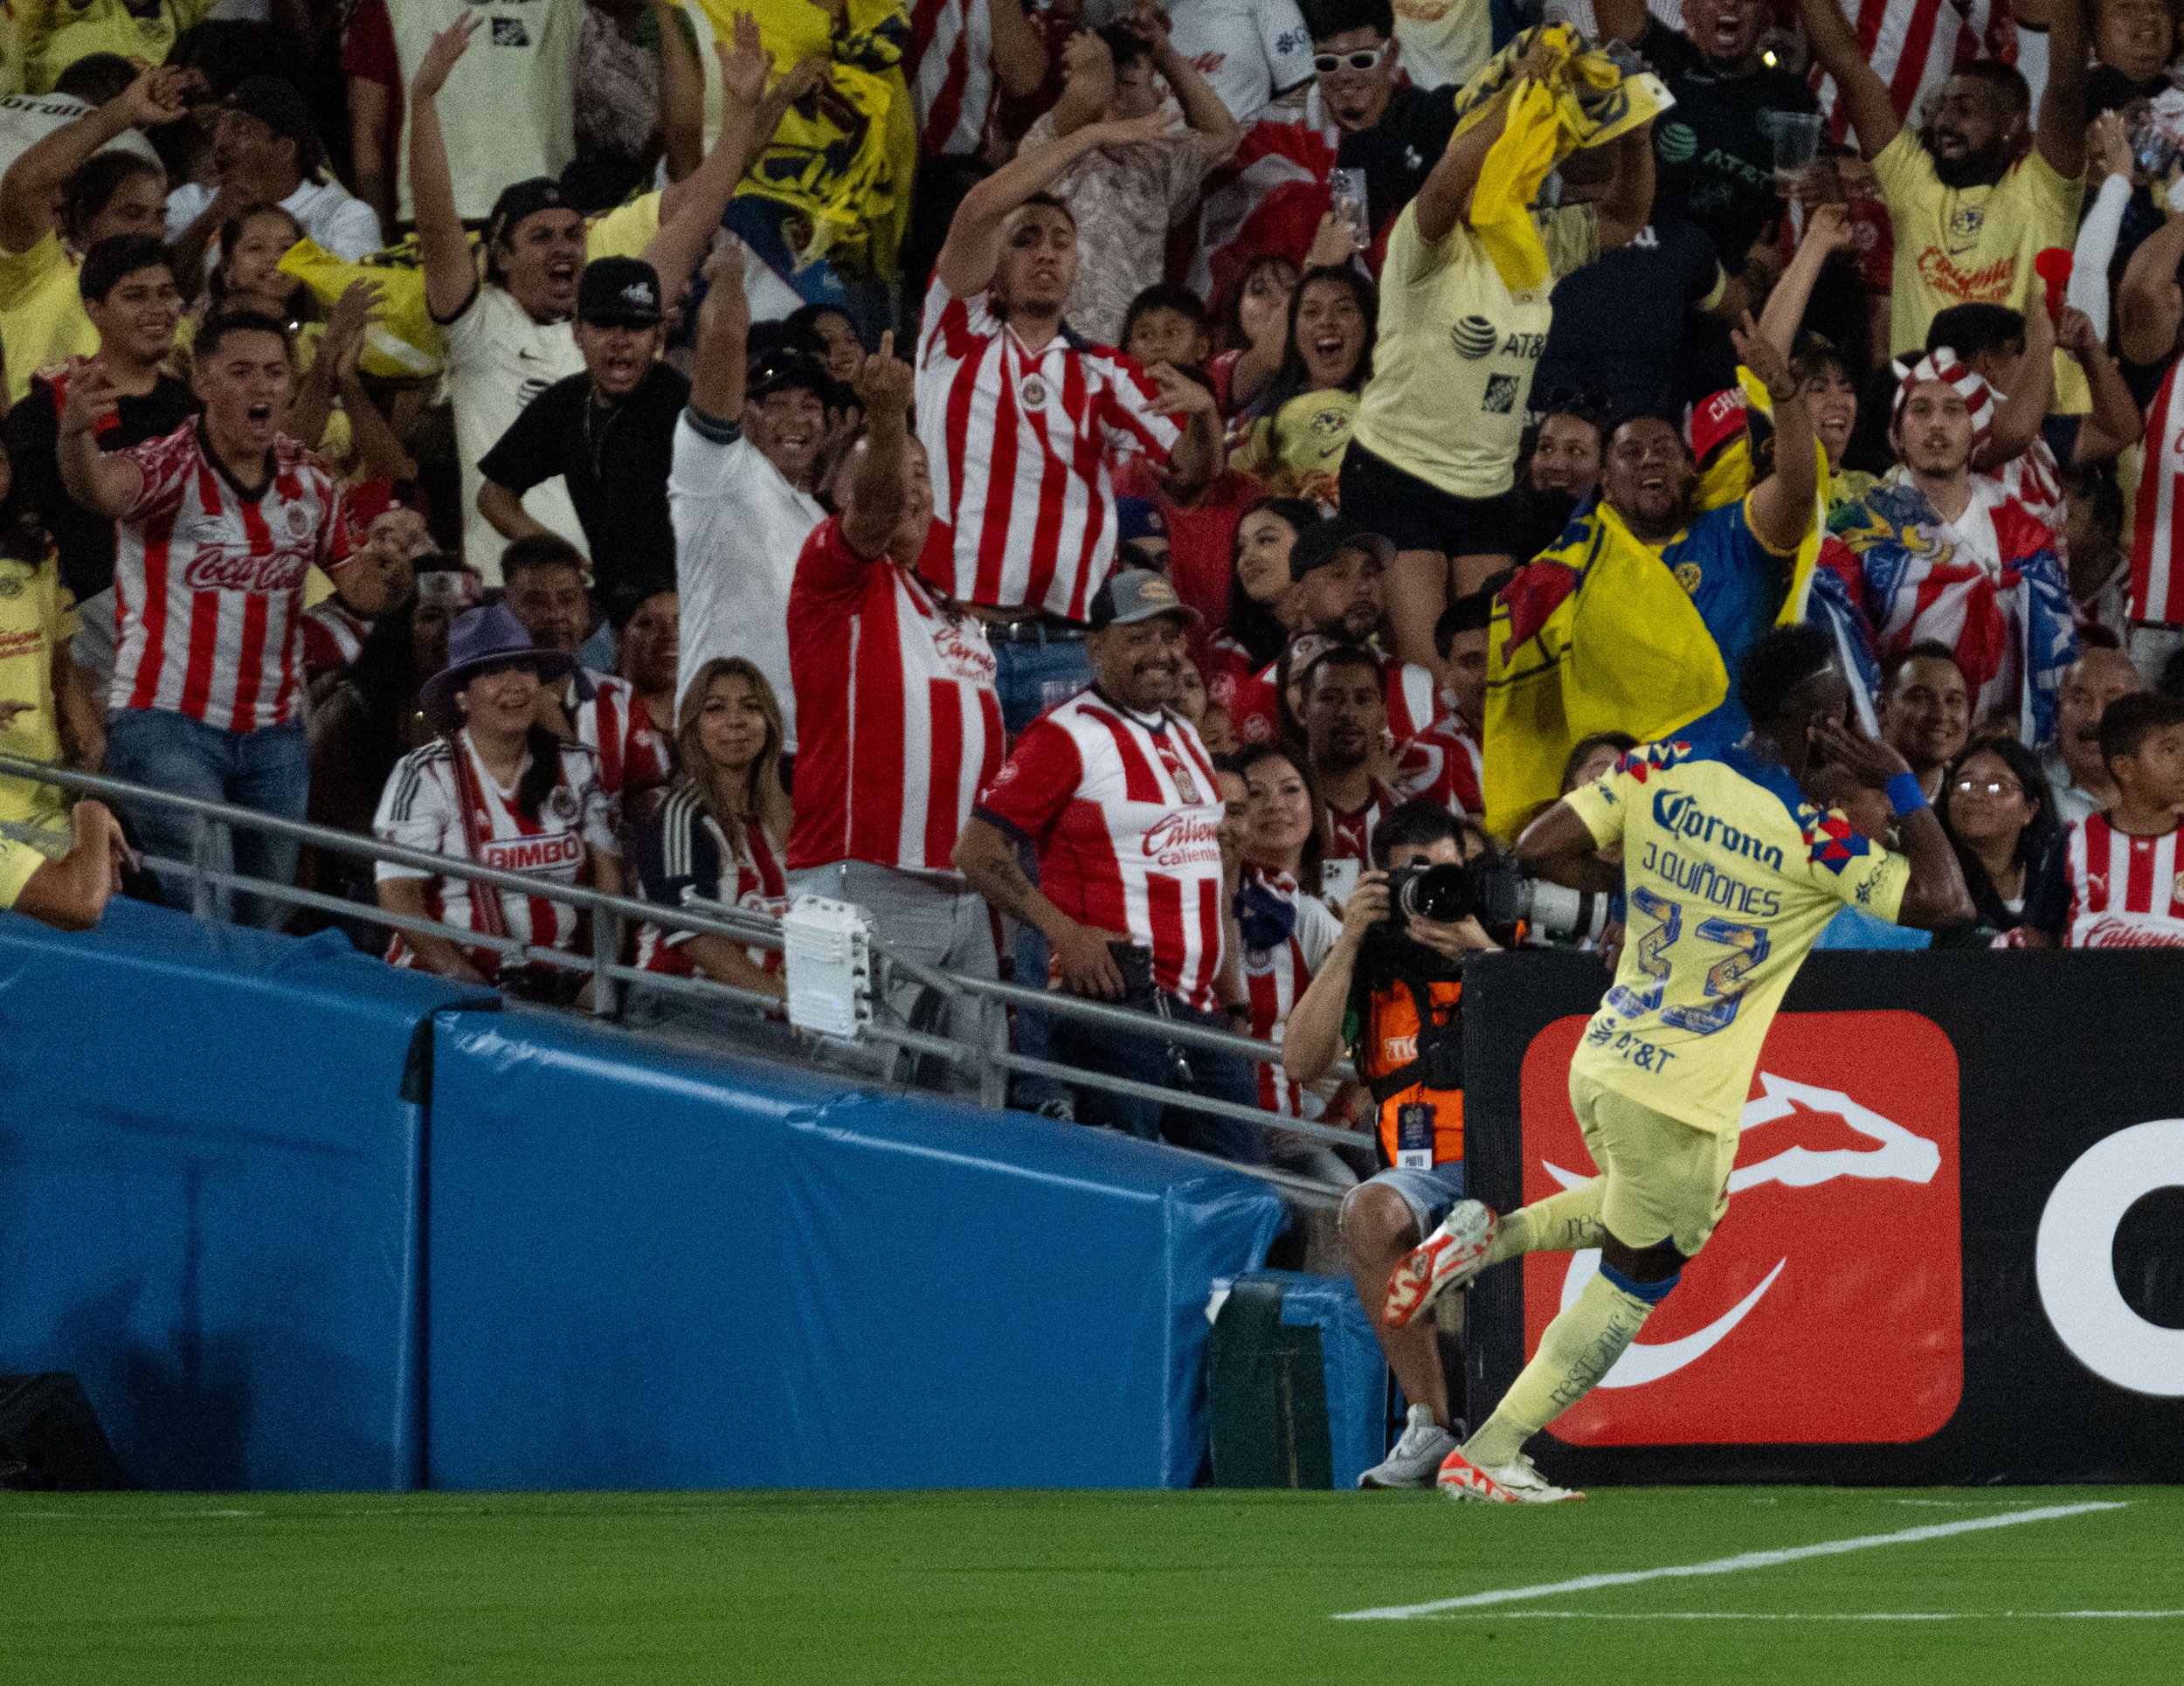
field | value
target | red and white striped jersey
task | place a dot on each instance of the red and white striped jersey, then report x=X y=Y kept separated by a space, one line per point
x=1023 y=445
x=1915 y=45
x=2157 y=562
x=1275 y=978
x=1443 y=765
x=424 y=806
x=208 y=582
x=898 y=724
x=950 y=66
x=333 y=638
x=685 y=848
x=610 y=721
x=1126 y=816
x=1349 y=835
x=2125 y=892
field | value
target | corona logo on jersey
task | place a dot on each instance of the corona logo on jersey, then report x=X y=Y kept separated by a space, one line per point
x=1828 y=1308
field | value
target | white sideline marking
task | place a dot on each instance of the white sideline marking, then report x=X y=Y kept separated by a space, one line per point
x=1742 y=1561
x=1811 y=1615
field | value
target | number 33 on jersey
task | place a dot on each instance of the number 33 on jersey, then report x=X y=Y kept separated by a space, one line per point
x=1730 y=876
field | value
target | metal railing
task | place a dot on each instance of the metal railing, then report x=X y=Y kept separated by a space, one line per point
x=987 y=1064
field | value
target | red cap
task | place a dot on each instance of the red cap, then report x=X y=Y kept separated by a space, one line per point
x=1717 y=420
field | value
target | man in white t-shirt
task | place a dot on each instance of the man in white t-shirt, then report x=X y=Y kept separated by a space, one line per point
x=514 y=113
x=739 y=492
x=1253 y=51
x=266 y=150
x=510 y=336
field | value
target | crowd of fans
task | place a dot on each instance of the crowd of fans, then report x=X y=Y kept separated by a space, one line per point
x=1091 y=485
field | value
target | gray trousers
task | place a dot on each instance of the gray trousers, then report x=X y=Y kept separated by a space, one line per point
x=932 y=917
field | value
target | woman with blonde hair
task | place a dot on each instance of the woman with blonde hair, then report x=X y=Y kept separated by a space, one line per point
x=719 y=834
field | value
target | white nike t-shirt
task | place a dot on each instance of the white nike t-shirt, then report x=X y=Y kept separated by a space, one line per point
x=499 y=359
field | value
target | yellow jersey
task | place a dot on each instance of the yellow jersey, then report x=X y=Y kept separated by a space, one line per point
x=17 y=862
x=58 y=32
x=37 y=615
x=1296 y=452
x=1975 y=245
x=1453 y=363
x=42 y=319
x=1730 y=876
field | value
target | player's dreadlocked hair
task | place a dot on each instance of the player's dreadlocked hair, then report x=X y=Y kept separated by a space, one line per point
x=1777 y=665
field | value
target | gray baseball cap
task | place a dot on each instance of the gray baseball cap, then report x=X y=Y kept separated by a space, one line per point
x=1136 y=594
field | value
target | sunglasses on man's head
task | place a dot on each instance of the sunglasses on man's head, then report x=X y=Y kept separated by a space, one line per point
x=1363 y=59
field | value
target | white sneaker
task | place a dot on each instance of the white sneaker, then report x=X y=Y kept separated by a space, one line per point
x=1514 y=1482
x=1425 y=1443
x=1448 y=1258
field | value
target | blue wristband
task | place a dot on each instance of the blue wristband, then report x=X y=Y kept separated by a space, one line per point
x=1905 y=796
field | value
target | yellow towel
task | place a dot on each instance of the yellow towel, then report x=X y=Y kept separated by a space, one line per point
x=1583 y=99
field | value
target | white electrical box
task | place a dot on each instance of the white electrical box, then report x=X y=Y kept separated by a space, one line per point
x=826 y=950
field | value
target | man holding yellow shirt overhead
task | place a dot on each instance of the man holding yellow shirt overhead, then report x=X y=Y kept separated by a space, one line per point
x=1433 y=453
x=1732 y=874
x=1979 y=189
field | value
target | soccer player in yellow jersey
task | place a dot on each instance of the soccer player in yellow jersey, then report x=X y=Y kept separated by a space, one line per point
x=1730 y=873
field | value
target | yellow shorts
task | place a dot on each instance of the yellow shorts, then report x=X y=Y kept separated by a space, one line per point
x=1665 y=1180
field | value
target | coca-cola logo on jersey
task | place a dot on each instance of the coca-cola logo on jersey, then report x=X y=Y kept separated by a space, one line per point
x=962 y=656
x=1179 y=839
x=221 y=568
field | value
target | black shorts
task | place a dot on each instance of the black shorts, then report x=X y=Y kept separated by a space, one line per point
x=1418 y=515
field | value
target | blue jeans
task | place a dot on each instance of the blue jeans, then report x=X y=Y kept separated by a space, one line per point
x=1033 y=678
x=268 y=769
x=1150 y=1059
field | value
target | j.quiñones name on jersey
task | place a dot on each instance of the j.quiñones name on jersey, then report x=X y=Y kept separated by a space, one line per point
x=1730 y=875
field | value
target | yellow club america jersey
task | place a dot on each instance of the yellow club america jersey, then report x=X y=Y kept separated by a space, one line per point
x=1731 y=875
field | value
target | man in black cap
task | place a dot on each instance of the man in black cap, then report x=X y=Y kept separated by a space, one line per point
x=1338 y=566
x=267 y=151
x=746 y=467
x=1116 y=794
x=608 y=432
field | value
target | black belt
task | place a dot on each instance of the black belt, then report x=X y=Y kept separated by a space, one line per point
x=1036 y=629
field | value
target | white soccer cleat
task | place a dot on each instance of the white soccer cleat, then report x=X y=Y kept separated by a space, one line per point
x=1448 y=1258
x=1417 y=1455
x=1514 y=1482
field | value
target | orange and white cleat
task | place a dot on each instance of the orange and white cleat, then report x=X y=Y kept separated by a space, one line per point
x=1448 y=1258
x=1514 y=1482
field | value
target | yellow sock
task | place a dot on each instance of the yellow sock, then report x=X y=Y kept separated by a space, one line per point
x=1561 y=1223
x=1579 y=1347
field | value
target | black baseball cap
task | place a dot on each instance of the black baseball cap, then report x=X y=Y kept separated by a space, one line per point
x=1134 y=594
x=522 y=199
x=274 y=101
x=619 y=292
x=1322 y=542
x=782 y=367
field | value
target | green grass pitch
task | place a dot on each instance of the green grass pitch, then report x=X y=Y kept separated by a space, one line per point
x=1049 y=1587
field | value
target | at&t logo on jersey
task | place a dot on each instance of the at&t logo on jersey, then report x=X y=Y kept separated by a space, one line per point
x=1828 y=1305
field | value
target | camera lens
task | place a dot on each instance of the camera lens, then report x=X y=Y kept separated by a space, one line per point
x=1437 y=893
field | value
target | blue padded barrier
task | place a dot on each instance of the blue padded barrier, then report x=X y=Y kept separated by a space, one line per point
x=208 y=1170
x=694 y=1272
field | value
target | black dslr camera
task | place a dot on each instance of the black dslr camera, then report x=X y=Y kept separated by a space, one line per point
x=1492 y=888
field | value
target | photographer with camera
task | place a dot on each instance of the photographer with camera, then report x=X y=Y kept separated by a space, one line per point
x=1393 y=988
